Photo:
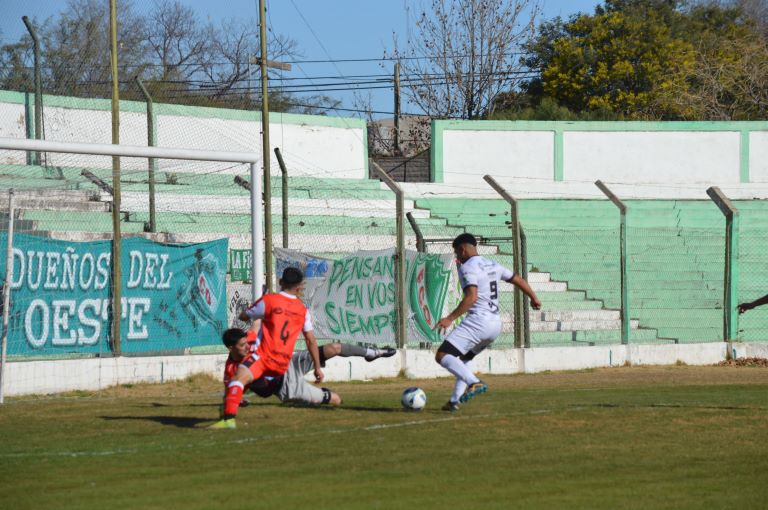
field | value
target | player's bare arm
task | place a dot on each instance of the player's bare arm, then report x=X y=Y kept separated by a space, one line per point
x=753 y=304
x=311 y=341
x=470 y=296
x=523 y=285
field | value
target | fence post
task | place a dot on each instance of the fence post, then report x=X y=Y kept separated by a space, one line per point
x=731 y=270
x=151 y=141
x=38 y=87
x=7 y=293
x=284 y=182
x=400 y=304
x=526 y=301
x=521 y=309
x=625 y=320
x=421 y=246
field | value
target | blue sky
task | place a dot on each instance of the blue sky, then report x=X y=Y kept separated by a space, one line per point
x=324 y=30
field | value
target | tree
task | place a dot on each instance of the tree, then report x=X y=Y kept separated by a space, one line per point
x=729 y=81
x=617 y=60
x=180 y=58
x=649 y=59
x=75 y=48
x=463 y=53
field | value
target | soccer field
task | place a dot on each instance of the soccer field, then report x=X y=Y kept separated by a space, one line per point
x=630 y=437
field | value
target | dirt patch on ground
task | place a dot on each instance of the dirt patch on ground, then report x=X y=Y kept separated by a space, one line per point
x=744 y=362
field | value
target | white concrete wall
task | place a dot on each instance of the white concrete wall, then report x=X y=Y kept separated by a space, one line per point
x=307 y=148
x=651 y=157
x=43 y=377
x=469 y=155
x=758 y=156
x=660 y=160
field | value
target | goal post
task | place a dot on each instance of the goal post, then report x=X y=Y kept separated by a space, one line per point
x=57 y=267
x=134 y=151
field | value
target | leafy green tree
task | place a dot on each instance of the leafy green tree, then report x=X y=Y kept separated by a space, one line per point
x=648 y=59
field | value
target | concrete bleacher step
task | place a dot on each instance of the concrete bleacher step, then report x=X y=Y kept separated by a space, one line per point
x=318 y=207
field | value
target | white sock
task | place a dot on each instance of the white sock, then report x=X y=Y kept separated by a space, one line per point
x=455 y=366
x=460 y=387
x=370 y=353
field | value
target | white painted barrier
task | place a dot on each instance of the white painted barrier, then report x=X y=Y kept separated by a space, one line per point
x=55 y=376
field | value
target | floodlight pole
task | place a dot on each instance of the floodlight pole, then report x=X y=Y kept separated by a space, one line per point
x=731 y=270
x=116 y=197
x=522 y=333
x=400 y=303
x=625 y=320
x=264 y=64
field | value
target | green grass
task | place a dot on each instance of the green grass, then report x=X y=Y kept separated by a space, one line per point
x=633 y=437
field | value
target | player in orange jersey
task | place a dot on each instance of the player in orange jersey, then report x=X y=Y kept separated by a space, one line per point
x=283 y=316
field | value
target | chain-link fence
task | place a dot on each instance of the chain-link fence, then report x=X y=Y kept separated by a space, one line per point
x=753 y=269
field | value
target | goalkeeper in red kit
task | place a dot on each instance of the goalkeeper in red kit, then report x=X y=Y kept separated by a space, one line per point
x=283 y=316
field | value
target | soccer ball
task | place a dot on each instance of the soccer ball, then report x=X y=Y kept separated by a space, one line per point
x=414 y=399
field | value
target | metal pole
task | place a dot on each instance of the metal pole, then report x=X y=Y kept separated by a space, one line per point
x=265 y=146
x=625 y=320
x=517 y=252
x=38 y=86
x=257 y=281
x=731 y=270
x=400 y=303
x=7 y=293
x=397 y=109
x=151 y=141
x=526 y=301
x=116 y=230
x=284 y=182
x=421 y=246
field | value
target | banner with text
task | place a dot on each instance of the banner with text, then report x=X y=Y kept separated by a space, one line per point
x=173 y=296
x=353 y=298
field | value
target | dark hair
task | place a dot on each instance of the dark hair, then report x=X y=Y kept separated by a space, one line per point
x=464 y=238
x=292 y=276
x=231 y=336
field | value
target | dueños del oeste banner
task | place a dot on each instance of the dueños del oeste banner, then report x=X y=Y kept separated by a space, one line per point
x=353 y=298
x=173 y=296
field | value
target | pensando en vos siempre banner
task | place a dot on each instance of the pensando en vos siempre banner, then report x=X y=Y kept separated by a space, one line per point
x=173 y=296
x=353 y=298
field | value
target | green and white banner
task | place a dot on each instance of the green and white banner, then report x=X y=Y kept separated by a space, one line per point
x=173 y=296
x=354 y=298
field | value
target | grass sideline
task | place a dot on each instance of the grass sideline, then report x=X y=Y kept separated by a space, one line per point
x=629 y=437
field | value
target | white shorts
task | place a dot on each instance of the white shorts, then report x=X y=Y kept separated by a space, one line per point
x=475 y=333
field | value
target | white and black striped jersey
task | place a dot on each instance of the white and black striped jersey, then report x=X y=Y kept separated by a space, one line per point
x=486 y=275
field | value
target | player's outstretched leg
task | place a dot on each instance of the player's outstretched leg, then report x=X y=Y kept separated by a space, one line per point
x=347 y=350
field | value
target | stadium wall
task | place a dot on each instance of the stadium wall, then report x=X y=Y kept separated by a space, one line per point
x=661 y=153
x=55 y=376
x=304 y=140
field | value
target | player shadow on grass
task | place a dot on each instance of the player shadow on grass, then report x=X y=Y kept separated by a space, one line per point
x=343 y=407
x=185 y=422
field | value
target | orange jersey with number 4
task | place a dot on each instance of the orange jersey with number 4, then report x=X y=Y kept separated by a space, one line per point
x=283 y=321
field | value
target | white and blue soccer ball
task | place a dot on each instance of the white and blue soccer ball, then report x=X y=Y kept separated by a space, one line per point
x=414 y=399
